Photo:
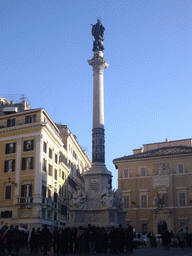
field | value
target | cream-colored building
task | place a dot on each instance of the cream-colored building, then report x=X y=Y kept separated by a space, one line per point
x=37 y=169
x=156 y=184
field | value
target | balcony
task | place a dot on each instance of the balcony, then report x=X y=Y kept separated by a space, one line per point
x=50 y=203
x=25 y=202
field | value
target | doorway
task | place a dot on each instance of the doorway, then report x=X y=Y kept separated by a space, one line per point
x=162 y=226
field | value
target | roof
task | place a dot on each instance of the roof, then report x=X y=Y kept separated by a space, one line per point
x=160 y=152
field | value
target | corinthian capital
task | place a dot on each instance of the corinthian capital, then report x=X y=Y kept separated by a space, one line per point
x=98 y=63
x=19 y=140
x=39 y=137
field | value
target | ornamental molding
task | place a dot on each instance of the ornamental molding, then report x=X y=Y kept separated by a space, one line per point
x=152 y=158
x=22 y=127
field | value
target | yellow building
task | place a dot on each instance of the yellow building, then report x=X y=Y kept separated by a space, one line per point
x=156 y=186
x=35 y=168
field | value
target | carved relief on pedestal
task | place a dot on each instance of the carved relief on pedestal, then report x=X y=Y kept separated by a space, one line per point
x=98 y=145
x=94 y=218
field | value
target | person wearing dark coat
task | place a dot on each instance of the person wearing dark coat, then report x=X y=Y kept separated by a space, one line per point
x=38 y=241
x=167 y=239
x=9 y=237
x=113 y=240
x=56 y=241
x=16 y=240
x=46 y=239
x=129 y=239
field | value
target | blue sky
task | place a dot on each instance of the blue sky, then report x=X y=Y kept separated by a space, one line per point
x=45 y=45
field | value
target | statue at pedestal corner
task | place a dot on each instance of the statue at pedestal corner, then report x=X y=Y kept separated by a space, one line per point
x=107 y=197
x=79 y=200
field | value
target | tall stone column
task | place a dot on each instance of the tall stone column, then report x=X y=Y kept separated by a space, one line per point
x=101 y=207
x=98 y=132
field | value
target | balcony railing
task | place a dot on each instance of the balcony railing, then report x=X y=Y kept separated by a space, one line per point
x=25 y=200
x=49 y=202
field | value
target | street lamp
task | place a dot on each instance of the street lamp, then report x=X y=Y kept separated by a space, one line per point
x=12 y=182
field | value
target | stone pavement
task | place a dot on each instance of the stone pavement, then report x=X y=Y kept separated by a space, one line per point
x=140 y=251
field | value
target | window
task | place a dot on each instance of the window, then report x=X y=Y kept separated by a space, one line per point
x=55 y=176
x=10 y=122
x=49 y=194
x=30 y=119
x=45 y=147
x=143 y=201
x=126 y=173
x=6 y=214
x=55 y=197
x=26 y=190
x=63 y=210
x=10 y=148
x=50 y=170
x=44 y=165
x=56 y=158
x=8 y=192
x=182 y=198
x=143 y=171
x=62 y=175
x=50 y=153
x=184 y=226
x=60 y=190
x=164 y=200
x=144 y=228
x=44 y=191
x=27 y=163
x=126 y=201
x=43 y=213
x=28 y=145
x=180 y=168
x=9 y=165
x=49 y=215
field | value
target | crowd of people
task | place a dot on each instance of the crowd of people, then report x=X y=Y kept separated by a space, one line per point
x=170 y=239
x=77 y=240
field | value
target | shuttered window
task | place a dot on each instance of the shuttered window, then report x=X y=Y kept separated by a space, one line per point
x=126 y=201
x=10 y=148
x=28 y=145
x=9 y=165
x=8 y=192
x=10 y=122
x=27 y=163
x=30 y=119
x=26 y=190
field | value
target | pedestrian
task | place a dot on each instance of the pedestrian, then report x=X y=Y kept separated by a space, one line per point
x=38 y=241
x=56 y=240
x=167 y=239
x=46 y=239
x=9 y=237
x=16 y=241
x=32 y=240
x=129 y=239
x=181 y=239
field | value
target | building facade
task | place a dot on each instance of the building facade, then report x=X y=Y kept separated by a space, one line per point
x=36 y=167
x=156 y=186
